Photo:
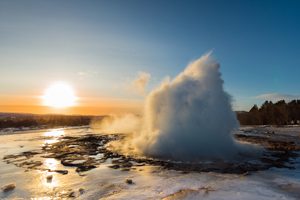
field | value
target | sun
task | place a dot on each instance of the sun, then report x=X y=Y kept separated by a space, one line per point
x=59 y=95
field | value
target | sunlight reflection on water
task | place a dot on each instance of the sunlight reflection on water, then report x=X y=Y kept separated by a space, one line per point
x=48 y=178
x=50 y=163
x=46 y=181
x=49 y=182
x=54 y=135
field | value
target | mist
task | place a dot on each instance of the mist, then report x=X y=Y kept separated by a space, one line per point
x=125 y=123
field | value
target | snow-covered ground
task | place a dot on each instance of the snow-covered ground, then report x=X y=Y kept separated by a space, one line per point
x=149 y=182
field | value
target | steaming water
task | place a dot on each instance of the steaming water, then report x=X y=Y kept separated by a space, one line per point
x=190 y=117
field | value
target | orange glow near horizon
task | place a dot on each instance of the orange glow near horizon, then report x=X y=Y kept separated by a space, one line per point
x=61 y=99
x=97 y=106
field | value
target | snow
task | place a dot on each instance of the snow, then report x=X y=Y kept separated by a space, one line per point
x=149 y=182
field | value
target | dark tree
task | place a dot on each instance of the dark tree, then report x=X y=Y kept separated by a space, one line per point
x=280 y=113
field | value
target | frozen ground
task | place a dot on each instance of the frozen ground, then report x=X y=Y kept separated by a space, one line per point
x=149 y=182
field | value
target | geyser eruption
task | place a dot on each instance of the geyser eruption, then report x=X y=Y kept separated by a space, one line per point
x=190 y=117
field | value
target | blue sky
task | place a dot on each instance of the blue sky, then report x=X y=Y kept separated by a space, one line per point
x=99 y=46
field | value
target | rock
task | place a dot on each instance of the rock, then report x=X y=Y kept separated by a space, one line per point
x=81 y=190
x=87 y=152
x=182 y=194
x=29 y=154
x=63 y=172
x=127 y=164
x=49 y=178
x=114 y=166
x=72 y=194
x=31 y=164
x=73 y=163
x=129 y=181
x=13 y=156
x=78 y=162
x=85 y=168
x=9 y=187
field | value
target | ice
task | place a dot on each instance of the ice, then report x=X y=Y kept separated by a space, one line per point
x=149 y=182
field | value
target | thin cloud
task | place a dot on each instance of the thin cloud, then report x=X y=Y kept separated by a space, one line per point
x=277 y=97
x=86 y=74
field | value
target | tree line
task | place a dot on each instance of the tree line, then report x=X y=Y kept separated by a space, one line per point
x=8 y=120
x=279 y=113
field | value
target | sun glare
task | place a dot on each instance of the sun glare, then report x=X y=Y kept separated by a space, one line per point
x=59 y=95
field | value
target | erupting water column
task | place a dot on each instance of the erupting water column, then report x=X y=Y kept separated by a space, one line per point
x=190 y=117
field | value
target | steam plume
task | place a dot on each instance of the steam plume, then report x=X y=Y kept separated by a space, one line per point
x=139 y=84
x=127 y=123
x=189 y=117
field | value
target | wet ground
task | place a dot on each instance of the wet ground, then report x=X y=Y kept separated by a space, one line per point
x=69 y=163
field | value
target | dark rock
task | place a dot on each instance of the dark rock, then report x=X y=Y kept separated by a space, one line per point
x=8 y=187
x=129 y=181
x=29 y=164
x=127 y=165
x=81 y=190
x=49 y=178
x=84 y=168
x=114 y=166
x=72 y=194
x=63 y=172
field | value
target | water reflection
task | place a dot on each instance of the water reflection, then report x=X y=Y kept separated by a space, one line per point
x=53 y=135
x=50 y=180
x=50 y=163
